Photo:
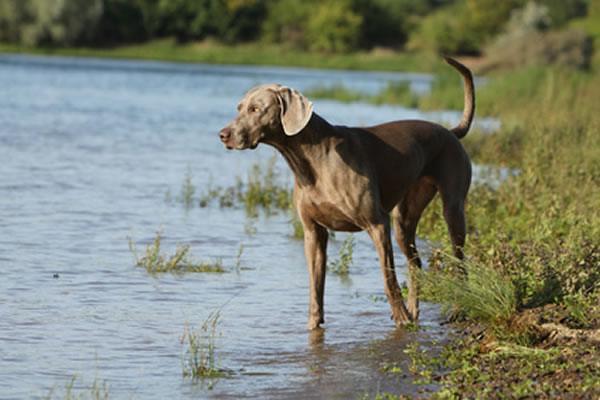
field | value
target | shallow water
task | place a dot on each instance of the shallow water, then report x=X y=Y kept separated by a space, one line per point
x=88 y=149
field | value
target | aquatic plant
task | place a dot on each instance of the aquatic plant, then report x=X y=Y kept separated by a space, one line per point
x=186 y=195
x=341 y=266
x=97 y=390
x=261 y=190
x=297 y=227
x=155 y=263
x=199 y=360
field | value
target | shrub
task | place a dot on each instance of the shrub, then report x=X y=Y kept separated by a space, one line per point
x=55 y=22
x=570 y=48
x=334 y=27
x=286 y=22
x=462 y=27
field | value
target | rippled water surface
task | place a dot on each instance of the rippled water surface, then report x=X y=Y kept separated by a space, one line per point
x=88 y=149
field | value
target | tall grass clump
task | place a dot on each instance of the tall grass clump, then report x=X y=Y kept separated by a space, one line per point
x=199 y=360
x=479 y=292
x=97 y=390
x=186 y=195
x=156 y=263
x=341 y=266
x=264 y=191
x=261 y=190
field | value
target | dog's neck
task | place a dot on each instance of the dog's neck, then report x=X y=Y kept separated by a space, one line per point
x=305 y=150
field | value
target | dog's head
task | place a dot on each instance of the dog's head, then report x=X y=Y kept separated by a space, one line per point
x=267 y=113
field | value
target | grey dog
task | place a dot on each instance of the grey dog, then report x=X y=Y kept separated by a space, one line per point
x=353 y=178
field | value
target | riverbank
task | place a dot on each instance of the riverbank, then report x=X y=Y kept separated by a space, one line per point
x=530 y=304
x=254 y=53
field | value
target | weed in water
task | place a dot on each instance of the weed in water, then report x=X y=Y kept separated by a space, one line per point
x=199 y=359
x=97 y=390
x=238 y=258
x=341 y=266
x=186 y=196
x=154 y=262
x=298 y=229
x=262 y=190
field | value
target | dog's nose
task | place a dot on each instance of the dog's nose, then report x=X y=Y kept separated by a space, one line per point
x=225 y=134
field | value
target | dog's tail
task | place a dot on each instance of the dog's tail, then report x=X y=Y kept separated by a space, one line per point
x=469 y=109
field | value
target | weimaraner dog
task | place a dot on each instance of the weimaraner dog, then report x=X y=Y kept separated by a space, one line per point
x=353 y=178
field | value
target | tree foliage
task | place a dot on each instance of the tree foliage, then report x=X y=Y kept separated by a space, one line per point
x=451 y=26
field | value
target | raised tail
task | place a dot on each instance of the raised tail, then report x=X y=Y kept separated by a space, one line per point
x=469 y=109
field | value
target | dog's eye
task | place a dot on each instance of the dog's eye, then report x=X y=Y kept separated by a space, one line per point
x=254 y=109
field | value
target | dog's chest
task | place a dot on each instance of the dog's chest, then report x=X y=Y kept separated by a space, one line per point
x=338 y=207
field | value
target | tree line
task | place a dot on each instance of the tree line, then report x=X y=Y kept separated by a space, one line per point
x=456 y=26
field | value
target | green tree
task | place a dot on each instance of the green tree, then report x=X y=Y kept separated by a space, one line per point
x=122 y=21
x=60 y=22
x=286 y=21
x=13 y=15
x=334 y=27
x=561 y=11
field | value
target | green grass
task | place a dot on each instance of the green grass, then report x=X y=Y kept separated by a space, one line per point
x=245 y=54
x=97 y=390
x=479 y=292
x=186 y=196
x=262 y=190
x=394 y=93
x=341 y=265
x=155 y=262
x=199 y=358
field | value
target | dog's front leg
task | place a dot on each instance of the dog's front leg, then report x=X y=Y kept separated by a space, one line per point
x=380 y=234
x=315 y=250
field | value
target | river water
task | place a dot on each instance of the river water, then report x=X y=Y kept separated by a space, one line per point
x=88 y=149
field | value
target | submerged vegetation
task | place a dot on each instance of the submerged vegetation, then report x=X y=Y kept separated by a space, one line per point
x=156 y=263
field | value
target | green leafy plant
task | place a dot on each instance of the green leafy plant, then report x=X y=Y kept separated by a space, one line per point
x=155 y=263
x=341 y=266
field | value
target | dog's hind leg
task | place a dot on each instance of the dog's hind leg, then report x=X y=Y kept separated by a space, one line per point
x=405 y=218
x=453 y=189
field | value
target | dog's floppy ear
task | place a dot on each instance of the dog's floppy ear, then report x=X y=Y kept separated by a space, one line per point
x=296 y=110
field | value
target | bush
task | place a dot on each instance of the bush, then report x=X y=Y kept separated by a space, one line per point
x=462 y=27
x=122 y=22
x=442 y=32
x=49 y=22
x=571 y=48
x=334 y=27
x=286 y=22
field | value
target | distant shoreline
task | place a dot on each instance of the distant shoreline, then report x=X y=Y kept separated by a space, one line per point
x=246 y=54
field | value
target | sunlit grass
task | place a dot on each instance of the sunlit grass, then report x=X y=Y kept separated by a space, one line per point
x=97 y=390
x=256 y=53
x=477 y=291
x=199 y=359
x=341 y=265
x=155 y=262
